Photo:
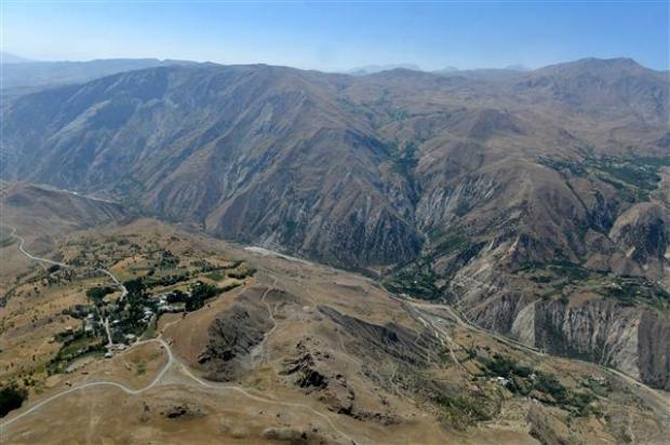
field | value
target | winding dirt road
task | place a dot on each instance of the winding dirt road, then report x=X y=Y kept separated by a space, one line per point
x=172 y=362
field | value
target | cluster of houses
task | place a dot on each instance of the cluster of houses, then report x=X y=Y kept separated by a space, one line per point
x=162 y=306
x=159 y=304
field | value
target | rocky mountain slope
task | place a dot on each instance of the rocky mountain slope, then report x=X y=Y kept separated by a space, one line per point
x=507 y=196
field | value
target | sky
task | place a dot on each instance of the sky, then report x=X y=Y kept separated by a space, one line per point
x=340 y=35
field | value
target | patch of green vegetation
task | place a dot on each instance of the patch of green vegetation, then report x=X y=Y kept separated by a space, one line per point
x=417 y=280
x=206 y=266
x=564 y=166
x=444 y=356
x=168 y=260
x=555 y=276
x=150 y=331
x=398 y=114
x=524 y=380
x=135 y=287
x=638 y=172
x=4 y=242
x=462 y=208
x=500 y=366
x=569 y=271
x=542 y=279
x=200 y=293
x=98 y=293
x=215 y=276
x=167 y=280
x=457 y=407
x=76 y=347
x=600 y=387
x=73 y=348
x=11 y=398
x=405 y=162
x=78 y=311
x=197 y=295
x=242 y=273
x=633 y=176
x=633 y=291
x=452 y=243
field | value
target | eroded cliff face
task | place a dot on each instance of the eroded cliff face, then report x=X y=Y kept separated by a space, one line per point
x=634 y=340
x=643 y=235
x=231 y=339
x=654 y=349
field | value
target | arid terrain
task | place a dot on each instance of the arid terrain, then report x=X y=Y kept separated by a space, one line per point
x=335 y=222
x=282 y=351
x=534 y=201
x=194 y=252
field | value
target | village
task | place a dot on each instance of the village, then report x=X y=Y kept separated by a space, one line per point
x=112 y=321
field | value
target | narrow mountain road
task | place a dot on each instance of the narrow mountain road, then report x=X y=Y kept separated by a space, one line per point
x=108 y=333
x=116 y=281
x=258 y=354
x=469 y=325
x=22 y=242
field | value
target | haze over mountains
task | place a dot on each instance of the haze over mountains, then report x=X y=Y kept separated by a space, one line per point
x=435 y=182
x=8 y=58
x=21 y=73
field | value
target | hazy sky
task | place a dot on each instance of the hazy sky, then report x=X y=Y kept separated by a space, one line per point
x=339 y=35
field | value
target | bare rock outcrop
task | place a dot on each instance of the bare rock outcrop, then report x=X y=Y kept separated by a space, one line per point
x=232 y=336
x=654 y=349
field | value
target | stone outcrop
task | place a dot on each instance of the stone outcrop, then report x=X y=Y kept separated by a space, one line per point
x=232 y=336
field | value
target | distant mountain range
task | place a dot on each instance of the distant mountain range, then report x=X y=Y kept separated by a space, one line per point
x=480 y=73
x=483 y=73
x=371 y=69
x=8 y=58
x=429 y=180
x=23 y=73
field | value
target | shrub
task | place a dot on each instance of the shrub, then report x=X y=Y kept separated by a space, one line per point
x=200 y=292
x=98 y=293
